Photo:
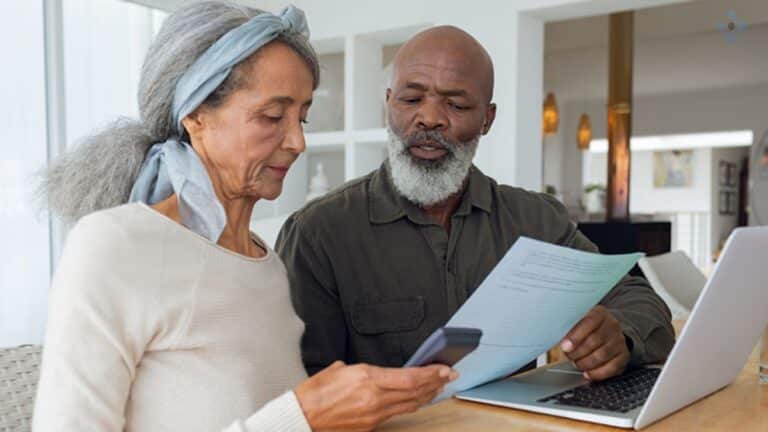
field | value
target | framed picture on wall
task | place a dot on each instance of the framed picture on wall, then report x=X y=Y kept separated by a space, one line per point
x=722 y=206
x=672 y=168
x=728 y=203
x=733 y=202
x=722 y=177
x=733 y=175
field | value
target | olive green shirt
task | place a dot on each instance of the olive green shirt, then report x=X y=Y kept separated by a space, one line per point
x=372 y=275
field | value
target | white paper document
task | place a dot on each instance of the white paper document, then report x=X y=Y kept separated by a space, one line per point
x=528 y=303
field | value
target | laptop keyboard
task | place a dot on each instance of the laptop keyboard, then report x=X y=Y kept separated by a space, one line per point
x=618 y=394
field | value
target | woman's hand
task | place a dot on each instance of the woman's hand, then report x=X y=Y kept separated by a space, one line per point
x=359 y=397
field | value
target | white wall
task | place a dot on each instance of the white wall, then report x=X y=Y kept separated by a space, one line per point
x=645 y=198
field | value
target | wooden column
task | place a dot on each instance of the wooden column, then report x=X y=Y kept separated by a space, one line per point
x=619 y=114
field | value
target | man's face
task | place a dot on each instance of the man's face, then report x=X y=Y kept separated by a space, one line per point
x=437 y=109
x=439 y=92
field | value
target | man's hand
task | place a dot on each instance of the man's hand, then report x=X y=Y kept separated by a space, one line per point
x=596 y=345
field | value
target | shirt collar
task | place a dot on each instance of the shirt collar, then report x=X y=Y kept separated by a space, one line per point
x=386 y=205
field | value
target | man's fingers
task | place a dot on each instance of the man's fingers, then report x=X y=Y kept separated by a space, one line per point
x=589 y=345
x=614 y=367
x=597 y=358
x=591 y=322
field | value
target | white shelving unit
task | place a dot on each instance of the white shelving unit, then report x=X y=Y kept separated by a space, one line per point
x=346 y=130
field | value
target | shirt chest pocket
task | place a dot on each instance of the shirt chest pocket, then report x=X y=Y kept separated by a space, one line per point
x=382 y=328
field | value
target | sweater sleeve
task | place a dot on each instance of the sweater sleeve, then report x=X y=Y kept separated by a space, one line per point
x=281 y=414
x=95 y=333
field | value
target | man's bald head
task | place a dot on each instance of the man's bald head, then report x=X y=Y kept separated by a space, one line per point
x=448 y=45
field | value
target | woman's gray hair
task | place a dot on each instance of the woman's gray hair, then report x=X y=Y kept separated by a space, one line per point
x=99 y=173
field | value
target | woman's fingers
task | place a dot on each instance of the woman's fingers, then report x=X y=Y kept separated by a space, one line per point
x=422 y=394
x=411 y=378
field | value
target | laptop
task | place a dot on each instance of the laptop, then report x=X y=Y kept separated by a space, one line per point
x=711 y=351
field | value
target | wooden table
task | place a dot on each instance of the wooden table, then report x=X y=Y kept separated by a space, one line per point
x=740 y=407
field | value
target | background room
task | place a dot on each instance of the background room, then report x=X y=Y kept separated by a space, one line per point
x=699 y=89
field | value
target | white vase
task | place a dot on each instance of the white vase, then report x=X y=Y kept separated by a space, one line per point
x=318 y=185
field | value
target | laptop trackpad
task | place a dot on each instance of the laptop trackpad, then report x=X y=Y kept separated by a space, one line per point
x=534 y=385
x=552 y=379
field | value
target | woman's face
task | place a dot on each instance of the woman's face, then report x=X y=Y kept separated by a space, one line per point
x=249 y=141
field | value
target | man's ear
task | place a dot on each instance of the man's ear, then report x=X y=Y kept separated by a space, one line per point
x=490 y=116
x=389 y=93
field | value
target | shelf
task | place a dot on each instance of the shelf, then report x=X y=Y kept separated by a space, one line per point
x=328 y=46
x=370 y=135
x=325 y=141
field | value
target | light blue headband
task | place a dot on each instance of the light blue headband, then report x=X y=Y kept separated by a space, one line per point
x=173 y=166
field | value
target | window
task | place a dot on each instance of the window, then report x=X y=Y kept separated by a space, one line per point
x=24 y=255
x=104 y=44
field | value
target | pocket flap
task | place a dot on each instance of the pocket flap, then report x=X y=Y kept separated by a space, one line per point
x=389 y=316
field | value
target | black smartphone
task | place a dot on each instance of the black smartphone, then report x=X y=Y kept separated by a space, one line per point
x=447 y=345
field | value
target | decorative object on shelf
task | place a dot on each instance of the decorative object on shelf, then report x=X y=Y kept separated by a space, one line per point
x=593 y=199
x=584 y=134
x=318 y=185
x=673 y=168
x=551 y=115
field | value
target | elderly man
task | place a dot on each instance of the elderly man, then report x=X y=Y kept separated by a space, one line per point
x=377 y=265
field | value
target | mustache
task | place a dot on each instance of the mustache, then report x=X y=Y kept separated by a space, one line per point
x=432 y=138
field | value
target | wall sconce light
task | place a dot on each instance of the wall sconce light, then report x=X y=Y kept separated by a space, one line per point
x=584 y=134
x=551 y=116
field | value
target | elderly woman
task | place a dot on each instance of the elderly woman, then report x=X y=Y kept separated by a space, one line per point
x=167 y=313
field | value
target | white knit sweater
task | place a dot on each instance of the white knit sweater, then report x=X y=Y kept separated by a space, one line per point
x=154 y=328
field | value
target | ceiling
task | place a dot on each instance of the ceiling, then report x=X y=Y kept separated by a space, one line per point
x=658 y=23
x=678 y=48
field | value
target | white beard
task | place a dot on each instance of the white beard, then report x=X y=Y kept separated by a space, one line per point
x=426 y=183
